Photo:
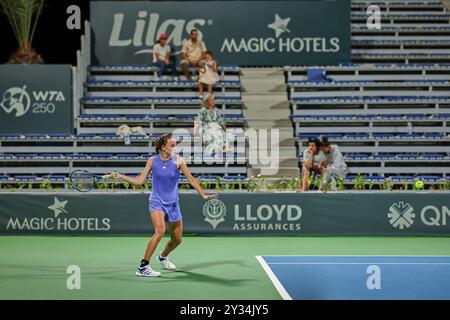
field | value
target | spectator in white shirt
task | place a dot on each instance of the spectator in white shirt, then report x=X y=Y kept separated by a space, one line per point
x=192 y=53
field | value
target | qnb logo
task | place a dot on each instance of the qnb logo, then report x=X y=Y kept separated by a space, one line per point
x=16 y=99
x=401 y=215
x=214 y=211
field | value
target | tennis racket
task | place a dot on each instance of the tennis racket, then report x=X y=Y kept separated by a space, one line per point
x=84 y=181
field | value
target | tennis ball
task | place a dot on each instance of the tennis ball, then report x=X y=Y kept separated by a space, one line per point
x=419 y=184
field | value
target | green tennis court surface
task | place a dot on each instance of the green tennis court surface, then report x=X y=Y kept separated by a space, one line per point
x=209 y=267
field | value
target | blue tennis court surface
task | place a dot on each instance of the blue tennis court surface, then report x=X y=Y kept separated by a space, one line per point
x=359 y=277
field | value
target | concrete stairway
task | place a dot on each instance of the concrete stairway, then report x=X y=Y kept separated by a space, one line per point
x=265 y=96
x=446 y=4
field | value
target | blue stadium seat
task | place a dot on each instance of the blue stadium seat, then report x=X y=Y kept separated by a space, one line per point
x=390 y=116
x=416 y=116
x=306 y=136
x=407 y=156
x=55 y=178
x=76 y=156
x=101 y=156
x=384 y=156
x=208 y=177
x=60 y=136
x=138 y=136
x=433 y=135
x=358 y=156
x=331 y=136
x=85 y=136
x=441 y=116
x=429 y=178
x=35 y=136
x=408 y=136
x=234 y=177
x=357 y=136
x=408 y=179
x=108 y=136
x=10 y=136
x=384 y=136
x=5 y=178
x=51 y=155
x=26 y=178
x=130 y=156
x=6 y=156
x=27 y=156
x=376 y=179
x=432 y=156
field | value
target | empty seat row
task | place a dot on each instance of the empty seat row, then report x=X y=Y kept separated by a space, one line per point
x=376 y=136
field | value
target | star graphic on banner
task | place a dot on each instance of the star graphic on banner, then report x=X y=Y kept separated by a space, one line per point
x=279 y=25
x=58 y=207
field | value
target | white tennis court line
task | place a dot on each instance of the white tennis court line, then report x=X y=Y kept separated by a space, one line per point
x=281 y=290
x=358 y=255
x=364 y=263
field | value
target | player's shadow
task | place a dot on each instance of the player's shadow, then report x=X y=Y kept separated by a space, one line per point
x=212 y=264
x=201 y=277
x=186 y=273
x=24 y=271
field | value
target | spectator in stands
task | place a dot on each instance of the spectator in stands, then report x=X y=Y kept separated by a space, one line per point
x=161 y=56
x=210 y=125
x=334 y=165
x=208 y=74
x=313 y=158
x=192 y=53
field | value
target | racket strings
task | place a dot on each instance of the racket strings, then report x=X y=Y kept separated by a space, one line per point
x=82 y=181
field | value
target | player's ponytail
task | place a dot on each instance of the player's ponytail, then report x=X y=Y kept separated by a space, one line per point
x=161 y=141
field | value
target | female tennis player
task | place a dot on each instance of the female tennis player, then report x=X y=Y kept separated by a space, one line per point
x=163 y=201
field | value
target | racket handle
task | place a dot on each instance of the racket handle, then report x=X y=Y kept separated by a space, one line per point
x=106 y=176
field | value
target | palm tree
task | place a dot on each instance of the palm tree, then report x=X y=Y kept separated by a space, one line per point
x=23 y=16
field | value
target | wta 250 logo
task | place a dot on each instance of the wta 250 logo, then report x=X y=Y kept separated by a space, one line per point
x=16 y=99
x=20 y=101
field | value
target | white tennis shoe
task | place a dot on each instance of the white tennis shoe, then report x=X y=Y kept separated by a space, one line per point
x=166 y=263
x=147 y=271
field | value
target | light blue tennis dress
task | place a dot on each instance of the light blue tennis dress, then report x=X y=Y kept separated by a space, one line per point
x=164 y=196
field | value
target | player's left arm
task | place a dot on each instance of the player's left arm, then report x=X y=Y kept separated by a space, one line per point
x=183 y=167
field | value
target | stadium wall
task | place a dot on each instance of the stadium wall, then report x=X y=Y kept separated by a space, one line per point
x=237 y=32
x=234 y=214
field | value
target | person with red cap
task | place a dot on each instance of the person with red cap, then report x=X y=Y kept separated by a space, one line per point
x=161 y=56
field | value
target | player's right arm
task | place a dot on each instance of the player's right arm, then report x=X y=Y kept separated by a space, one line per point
x=139 y=180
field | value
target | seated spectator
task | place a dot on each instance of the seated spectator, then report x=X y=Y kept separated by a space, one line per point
x=161 y=56
x=208 y=74
x=210 y=125
x=334 y=165
x=192 y=53
x=313 y=159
